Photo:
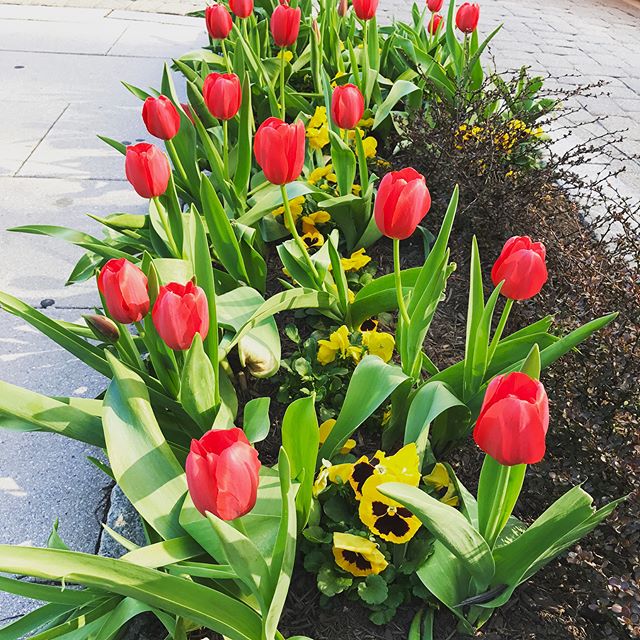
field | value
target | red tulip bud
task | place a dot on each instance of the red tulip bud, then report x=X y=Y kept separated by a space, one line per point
x=102 y=327
x=222 y=94
x=365 y=9
x=343 y=7
x=435 y=23
x=467 y=17
x=242 y=8
x=402 y=201
x=124 y=288
x=223 y=473
x=434 y=5
x=347 y=106
x=279 y=150
x=513 y=422
x=181 y=311
x=219 y=23
x=285 y=25
x=147 y=169
x=161 y=117
x=522 y=267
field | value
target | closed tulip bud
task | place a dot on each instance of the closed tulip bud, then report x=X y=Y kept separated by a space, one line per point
x=403 y=200
x=147 y=169
x=161 y=117
x=222 y=94
x=188 y=110
x=285 y=25
x=522 y=267
x=316 y=29
x=434 y=5
x=467 y=17
x=180 y=311
x=103 y=328
x=218 y=20
x=343 y=7
x=279 y=150
x=223 y=473
x=242 y=8
x=124 y=288
x=514 y=419
x=347 y=106
x=365 y=9
x=435 y=23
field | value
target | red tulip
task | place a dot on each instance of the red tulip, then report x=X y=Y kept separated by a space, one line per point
x=347 y=106
x=343 y=7
x=285 y=25
x=181 y=311
x=434 y=5
x=223 y=473
x=124 y=288
x=147 y=169
x=218 y=19
x=222 y=94
x=160 y=117
x=279 y=150
x=435 y=23
x=514 y=420
x=522 y=267
x=467 y=17
x=242 y=8
x=365 y=9
x=402 y=201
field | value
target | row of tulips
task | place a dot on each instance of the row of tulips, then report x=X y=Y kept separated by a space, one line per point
x=180 y=301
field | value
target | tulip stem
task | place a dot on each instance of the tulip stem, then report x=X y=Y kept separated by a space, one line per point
x=225 y=147
x=283 y=108
x=162 y=214
x=225 y=55
x=362 y=164
x=175 y=158
x=499 y=329
x=291 y=226
x=366 y=64
x=402 y=307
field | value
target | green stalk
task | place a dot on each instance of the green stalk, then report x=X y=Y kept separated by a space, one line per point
x=365 y=66
x=165 y=225
x=225 y=56
x=499 y=329
x=291 y=226
x=363 y=170
x=225 y=148
x=175 y=159
x=402 y=307
x=283 y=108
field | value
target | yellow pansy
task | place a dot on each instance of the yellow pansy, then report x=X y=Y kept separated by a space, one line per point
x=388 y=519
x=296 y=206
x=366 y=123
x=440 y=480
x=319 y=118
x=318 y=129
x=357 y=261
x=330 y=473
x=337 y=345
x=356 y=189
x=318 y=174
x=325 y=429
x=288 y=55
x=370 y=146
x=310 y=222
x=358 y=556
x=379 y=343
x=313 y=239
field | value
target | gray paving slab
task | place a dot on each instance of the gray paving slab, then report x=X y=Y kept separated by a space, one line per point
x=43 y=476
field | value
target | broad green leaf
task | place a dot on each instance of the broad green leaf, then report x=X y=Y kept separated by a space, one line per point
x=400 y=89
x=164 y=553
x=300 y=439
x=256 y=419
x=197 y=387
x=144 y=465
x=371 y=384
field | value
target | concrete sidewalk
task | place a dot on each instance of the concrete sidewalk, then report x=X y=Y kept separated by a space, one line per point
x=61 y=70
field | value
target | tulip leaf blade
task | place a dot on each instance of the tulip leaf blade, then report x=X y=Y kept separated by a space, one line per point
x=256 y=419
x=198 y=384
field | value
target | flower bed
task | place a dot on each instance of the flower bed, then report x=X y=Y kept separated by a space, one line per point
x=248 y=296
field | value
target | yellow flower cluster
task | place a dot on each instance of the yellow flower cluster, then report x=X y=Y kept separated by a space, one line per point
x=516 y=131
x=358 y=260
x=311 y=236
x=296 y=205
x=318 y=129
x=374 y=342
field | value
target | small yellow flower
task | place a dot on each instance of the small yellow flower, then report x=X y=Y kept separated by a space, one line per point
x=440 y=480
x=330 y=473
x=366 y=123
x=313 y=239
x=370 y=146
x=325 y=429
x=358 y=260
x=320 y=173
x=319 y=118
x=358 y=556
x=310 y=222
x=379 y=344
x=296 y=206
x=318 y=129
x=356 y=189
x=288 y=55
x=388 y=519
x=350 y=296
x=337 y=345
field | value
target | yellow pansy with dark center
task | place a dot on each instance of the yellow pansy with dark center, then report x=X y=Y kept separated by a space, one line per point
x=388 y=519
x=368 y=325
x=363 y=469
x=313 y=239
x=440 y=480
x=358 y=556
